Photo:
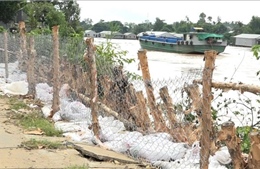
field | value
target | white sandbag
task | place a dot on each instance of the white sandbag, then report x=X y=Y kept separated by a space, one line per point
x=178 y=164
x=67 y=126
x=157 y=149
x=75 y=111
x=56 y=117
x=109 y=127
x=84 y=136
x=46 y=110
x=163 y=135
x=117 y=145
x=44 y=93
x=122 y=142
x=223 y=156
x=15 y=88
x=193 y=154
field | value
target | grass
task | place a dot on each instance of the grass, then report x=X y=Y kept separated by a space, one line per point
x=33 y=119
x=77 y=167
x=42 y=144
x=17 y=104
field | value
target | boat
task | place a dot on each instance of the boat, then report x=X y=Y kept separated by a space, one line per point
x=193 y=42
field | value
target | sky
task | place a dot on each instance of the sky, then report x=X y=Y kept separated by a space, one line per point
x=169 y=11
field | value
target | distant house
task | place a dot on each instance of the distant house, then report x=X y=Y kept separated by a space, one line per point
x=247 y=40
x=90 y=33
x=113 y=35
x=130 y=36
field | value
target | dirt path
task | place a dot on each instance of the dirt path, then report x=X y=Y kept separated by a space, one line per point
x=14 y=157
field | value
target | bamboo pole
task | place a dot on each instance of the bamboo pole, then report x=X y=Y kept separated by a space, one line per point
x=56 y=67
x=234 y=86
x=146 y=122
x=30 y=72
x=207 y=125
x=164 y=93
x=254 y=154
x=158 y=120
x=228 y=135
x=6 y=56
x=23 y=52
x=89 y=57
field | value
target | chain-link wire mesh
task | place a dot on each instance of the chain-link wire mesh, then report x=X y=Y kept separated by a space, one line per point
x=152 y=120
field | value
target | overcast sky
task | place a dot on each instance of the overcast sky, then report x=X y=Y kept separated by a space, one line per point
x=170 y=11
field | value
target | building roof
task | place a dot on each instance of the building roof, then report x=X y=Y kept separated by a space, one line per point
x=129 y=33
x=109 y=33
x=248 y=36
x=87 y=31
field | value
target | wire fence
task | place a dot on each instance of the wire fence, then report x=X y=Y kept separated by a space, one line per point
x=183 y=122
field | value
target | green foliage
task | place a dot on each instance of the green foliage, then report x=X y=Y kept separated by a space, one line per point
x=158 y=25
x=109 y=55
x=254 y=24
x=256 y=49
x=35 y=120
x=2 y=29
x=9 y=10
x=40 y=31
x=17 y=104
x=72 y=48
x=55 y=17
x=243 y=134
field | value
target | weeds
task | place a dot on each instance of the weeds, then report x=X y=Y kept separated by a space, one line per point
x=33 y=119
x=42 y=144
x=17 y=104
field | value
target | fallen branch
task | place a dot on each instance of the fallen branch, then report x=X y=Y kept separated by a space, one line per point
x=234 y=86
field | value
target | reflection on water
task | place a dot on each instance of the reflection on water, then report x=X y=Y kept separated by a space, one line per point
x=235 y=64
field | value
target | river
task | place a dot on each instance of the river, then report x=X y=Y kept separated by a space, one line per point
x=235 y=64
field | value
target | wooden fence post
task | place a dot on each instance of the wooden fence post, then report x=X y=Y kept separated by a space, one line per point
x=30 y=72
x=23 y=56
x=164 y=93
x=158 y=120
x=207 y=125
x=254 y=154
x=143 y=111
x=6 y=56
x=228 y=135
x=89 y=57
x=56 y=68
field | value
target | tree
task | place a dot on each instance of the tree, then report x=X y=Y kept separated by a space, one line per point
x=182 y=26
x=158 y=24
x=168 y=28
x=218 y=19
x=101 y=26
x=9 y=10
x=86 y=24
x=209 y=19
x=254 y=24
x=71 y=10
x=130 y=26
x=37 y=13
x=202 y=19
